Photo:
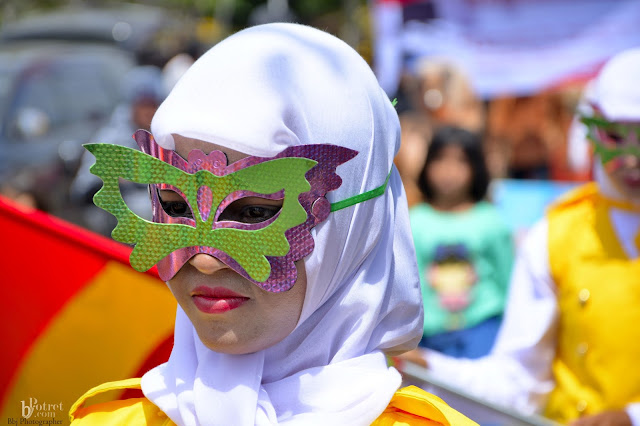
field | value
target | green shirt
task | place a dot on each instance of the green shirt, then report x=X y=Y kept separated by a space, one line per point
x=464 y=259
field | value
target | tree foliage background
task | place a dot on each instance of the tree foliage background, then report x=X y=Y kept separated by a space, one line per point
x=306 y=10
x=214 y=19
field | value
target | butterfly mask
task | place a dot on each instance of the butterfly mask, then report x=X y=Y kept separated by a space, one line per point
x=262 y=251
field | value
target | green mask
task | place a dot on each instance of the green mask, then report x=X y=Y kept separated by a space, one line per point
x=611 y=139
x=263 y=251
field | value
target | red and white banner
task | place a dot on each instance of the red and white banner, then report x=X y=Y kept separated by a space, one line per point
x=514 y=47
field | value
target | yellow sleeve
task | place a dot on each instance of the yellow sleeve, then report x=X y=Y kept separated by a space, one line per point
x=133 y=411
x=412 y=406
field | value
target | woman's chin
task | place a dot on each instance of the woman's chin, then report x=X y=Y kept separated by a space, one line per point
x=234 y=342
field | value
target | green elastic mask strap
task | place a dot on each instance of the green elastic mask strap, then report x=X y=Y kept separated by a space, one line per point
x=351 y=201
x=605 y=153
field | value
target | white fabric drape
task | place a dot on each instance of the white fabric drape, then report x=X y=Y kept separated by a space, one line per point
x=259 y=91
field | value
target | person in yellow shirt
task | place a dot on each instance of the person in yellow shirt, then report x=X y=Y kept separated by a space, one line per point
x=569 y=344
x=281 y=227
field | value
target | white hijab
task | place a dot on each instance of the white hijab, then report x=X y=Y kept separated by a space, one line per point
x=616 y=93
x=258 y=92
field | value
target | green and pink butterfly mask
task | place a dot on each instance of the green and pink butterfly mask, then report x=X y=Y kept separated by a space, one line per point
x=262 y=252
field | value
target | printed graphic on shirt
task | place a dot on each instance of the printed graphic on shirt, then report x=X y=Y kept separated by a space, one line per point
x=452 y=275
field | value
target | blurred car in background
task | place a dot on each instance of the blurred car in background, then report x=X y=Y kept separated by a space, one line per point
x=60 y=80
x=153 y=34
x=53 y=97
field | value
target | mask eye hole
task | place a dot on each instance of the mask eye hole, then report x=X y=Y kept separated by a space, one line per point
x=613 y=135
x=173 y=204
x=251 y=210
x=136 y=197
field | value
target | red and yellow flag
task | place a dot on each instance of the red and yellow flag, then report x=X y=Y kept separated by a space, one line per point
x=73 y=314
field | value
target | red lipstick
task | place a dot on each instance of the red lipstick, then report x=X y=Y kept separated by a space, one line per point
x=217 y=300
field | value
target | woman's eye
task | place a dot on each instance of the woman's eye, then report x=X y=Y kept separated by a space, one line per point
x=249 y=214
x=176 y=208
x=257 y=214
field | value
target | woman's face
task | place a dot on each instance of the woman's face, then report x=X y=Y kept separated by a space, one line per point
x=231 y=314
x=450 y=173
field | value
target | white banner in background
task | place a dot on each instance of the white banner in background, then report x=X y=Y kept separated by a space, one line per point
x=505 y=46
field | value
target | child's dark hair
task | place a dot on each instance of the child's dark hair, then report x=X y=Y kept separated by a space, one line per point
x=471 y=145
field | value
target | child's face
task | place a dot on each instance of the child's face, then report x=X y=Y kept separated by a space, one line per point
x=450 y=173
x=231 y=314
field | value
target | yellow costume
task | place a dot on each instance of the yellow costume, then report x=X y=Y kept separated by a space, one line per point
x=598 y=290
x=409 y=406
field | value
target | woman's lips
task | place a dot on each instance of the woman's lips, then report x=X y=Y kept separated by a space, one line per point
x=216 y=300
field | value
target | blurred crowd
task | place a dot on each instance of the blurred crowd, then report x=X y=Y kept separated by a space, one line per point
x=454 y=144
x=525 y=328
x=523 y=137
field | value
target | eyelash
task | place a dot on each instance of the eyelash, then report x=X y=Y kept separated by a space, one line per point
x=247 y=214
x=176 y=209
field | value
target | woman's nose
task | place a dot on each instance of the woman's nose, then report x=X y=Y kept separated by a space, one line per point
x=206 y=263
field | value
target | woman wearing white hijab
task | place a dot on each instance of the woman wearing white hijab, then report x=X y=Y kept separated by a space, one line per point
x=314 y=354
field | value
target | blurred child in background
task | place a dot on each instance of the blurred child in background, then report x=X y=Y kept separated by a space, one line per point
x=439 y=94
x=464 y=249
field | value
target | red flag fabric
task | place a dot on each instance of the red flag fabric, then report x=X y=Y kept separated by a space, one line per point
x=73 y=314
